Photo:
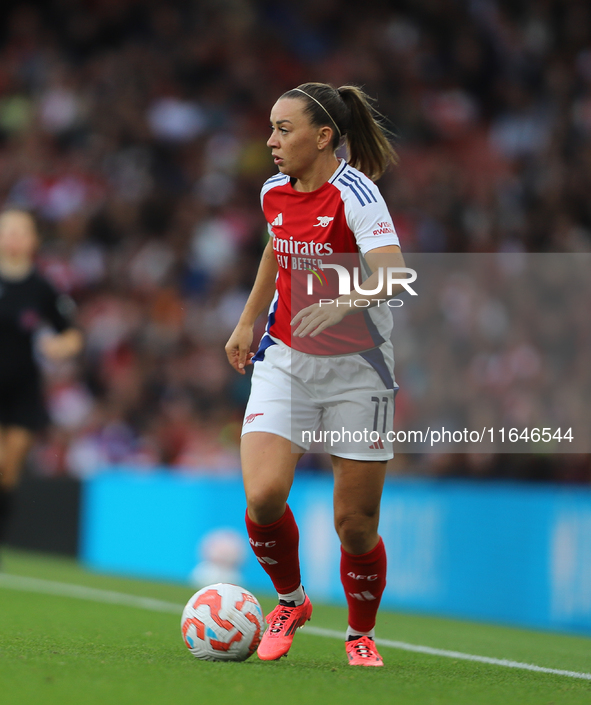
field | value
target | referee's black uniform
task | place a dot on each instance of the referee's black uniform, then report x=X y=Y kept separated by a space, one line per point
x=26 y=305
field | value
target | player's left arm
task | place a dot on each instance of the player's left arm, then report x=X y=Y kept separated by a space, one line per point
x=386 y=257
x=314 y=319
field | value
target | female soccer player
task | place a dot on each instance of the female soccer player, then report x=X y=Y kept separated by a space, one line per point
x=327 y=363
x=27 y=301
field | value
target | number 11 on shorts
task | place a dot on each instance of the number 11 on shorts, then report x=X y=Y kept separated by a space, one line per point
x=377 y=402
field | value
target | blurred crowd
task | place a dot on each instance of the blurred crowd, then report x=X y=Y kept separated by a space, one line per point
x=497 y=345
x=135 y=130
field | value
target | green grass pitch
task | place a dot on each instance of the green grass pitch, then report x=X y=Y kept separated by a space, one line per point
x=67 y=651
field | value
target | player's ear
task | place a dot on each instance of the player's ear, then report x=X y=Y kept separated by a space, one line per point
x=324 y=139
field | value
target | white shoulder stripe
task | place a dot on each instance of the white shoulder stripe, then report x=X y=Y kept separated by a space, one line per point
x=338 y=172
x=276 y=177
x=277 y=180
x=353 y=182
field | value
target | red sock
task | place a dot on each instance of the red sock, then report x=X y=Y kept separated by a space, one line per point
x=276 y=548
x=364 y=580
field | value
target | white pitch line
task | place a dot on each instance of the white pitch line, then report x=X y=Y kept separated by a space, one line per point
x=318 y=631
x=50 y=587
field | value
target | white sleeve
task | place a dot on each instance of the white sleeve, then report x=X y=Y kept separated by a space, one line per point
x=368 y=217
x=269 y=229
x=276 y=180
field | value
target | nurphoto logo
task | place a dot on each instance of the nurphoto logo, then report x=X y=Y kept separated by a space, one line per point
x=389 y=274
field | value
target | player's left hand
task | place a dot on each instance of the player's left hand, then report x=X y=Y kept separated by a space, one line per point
x=316 y=318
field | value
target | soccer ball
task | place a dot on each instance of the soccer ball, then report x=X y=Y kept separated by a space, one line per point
x=222 y=622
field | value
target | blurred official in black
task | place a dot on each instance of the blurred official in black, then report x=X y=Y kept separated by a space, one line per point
x=28 y=302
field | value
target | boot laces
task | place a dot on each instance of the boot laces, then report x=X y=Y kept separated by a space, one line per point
x=280 y=618
x=363 y=649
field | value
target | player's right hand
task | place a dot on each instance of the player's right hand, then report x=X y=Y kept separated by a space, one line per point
x=238 y=348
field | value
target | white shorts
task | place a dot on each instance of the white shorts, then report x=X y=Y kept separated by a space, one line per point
x=346 y=403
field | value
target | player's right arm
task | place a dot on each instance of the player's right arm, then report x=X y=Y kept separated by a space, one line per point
x=263 y=290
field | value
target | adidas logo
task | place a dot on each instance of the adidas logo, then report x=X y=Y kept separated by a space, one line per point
x=378 y=445
x=278 y=220
x=364 y=596
x=266 y=559
x=296 y=625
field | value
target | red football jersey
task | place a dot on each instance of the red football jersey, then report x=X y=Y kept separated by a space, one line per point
x=336 y=224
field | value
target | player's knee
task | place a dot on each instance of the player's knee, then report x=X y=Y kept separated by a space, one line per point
x=357 y=532
x=265 y=504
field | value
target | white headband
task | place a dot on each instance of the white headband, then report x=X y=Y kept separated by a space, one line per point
x=322 y=106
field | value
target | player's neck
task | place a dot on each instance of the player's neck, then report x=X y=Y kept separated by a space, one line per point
x=318 y=175
x=15 y=268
